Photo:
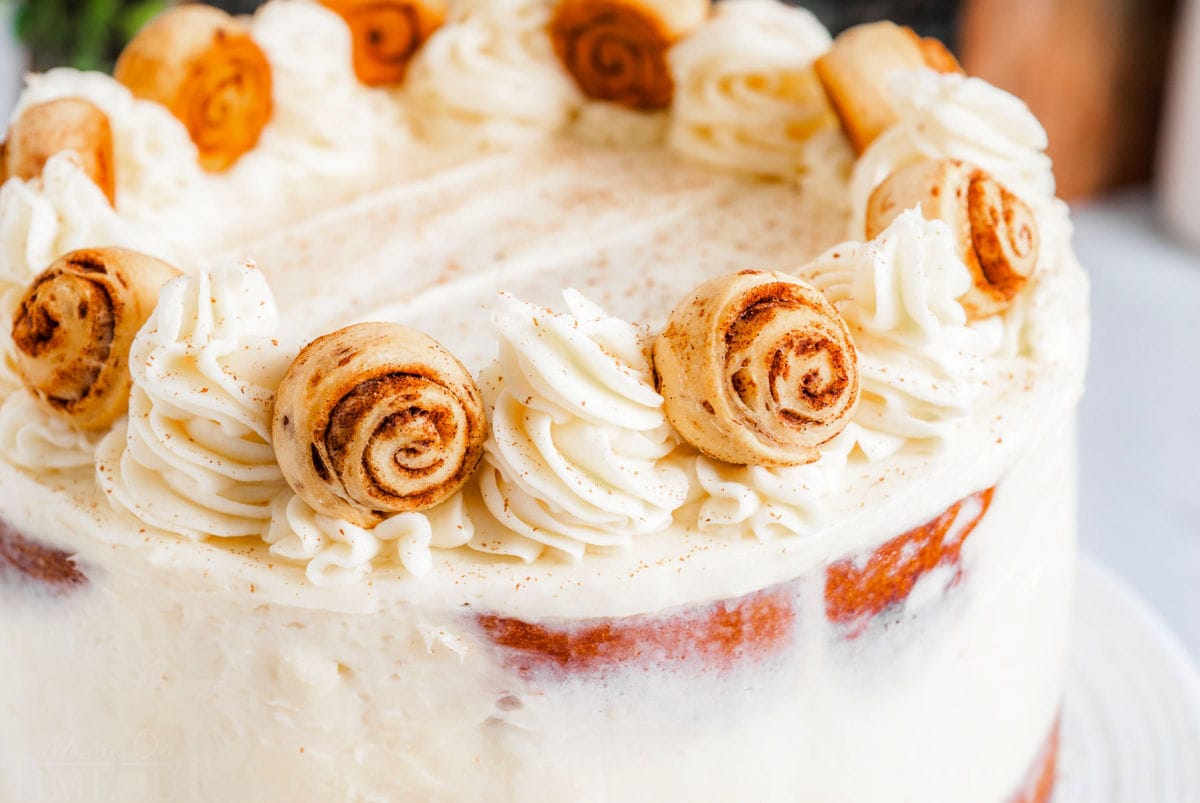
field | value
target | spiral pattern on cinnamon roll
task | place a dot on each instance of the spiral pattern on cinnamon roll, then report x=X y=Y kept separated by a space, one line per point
x=64 y=124
x=757 y=368
x=73 y=329
x=387 y=33
x=203 y=66
x=616 y=50
x=997 y=232
x=377 y=419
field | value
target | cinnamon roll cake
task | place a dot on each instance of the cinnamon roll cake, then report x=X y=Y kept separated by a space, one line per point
x=528 y=400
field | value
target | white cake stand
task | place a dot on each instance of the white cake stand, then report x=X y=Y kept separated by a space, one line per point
x=1132 y=713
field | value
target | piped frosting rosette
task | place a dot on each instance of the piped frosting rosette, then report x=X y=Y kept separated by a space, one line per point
x=489 y=78
x=41 y=220
x=746 y=94
x=951 y=116
x=923 y=364
x=195 y=457
x=580 y=452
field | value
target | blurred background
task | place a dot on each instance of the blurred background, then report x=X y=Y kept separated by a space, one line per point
x=1117 y=85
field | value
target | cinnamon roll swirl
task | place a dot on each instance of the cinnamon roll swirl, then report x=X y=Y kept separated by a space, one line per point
x=856 y=71
x=202 y=65
x=377 y=419
x=757 y=368
x=73 y=329
x=997 y=231
x=616 y=50
x=386 y=34
x=65 y=124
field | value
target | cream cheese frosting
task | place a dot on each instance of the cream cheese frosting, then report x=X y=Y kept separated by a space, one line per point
x=580 y=460
x=923 y=366
x=579 y=445
x=195 y=457
x=489 y=78
x=746 y=94
x=946 y=115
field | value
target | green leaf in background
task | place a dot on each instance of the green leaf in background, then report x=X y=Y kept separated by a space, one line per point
x=86 y=34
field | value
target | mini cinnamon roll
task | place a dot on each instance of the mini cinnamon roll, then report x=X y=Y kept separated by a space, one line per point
x=377 y=419
x=996 y=230
x=856 y=71
x=75 y=324
x=64 y=124
x=758 y=369
x=203 y=66
x=387 y=33
x=616 y=50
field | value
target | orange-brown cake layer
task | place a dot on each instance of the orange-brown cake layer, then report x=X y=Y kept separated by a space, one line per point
x=1039 y=784
x=856 y=592
x=714 y=636
x=53 y=567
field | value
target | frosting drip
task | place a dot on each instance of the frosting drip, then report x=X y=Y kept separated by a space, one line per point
x=922 y=365
x=489 y=78
x=746 y=95
x=579 y=445
x=195 y=457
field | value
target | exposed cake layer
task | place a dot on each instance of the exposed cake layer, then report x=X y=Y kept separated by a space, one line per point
x=349 y=705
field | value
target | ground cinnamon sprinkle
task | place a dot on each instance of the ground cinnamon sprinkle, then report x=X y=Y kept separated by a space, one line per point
x=52 y=567
x=855 y=594
x=714 y=636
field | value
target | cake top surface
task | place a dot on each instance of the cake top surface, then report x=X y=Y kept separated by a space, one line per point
x=544 y=227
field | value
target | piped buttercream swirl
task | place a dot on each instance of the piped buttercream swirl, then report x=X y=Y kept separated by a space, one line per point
x=195 y=456
x=578 y=455
x=33 y=438
x=489 y=78
x=922 y=365
x=947 y=115
x=746 y=95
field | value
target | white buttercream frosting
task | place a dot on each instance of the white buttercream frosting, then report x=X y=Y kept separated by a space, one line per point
x=45 y=218
x=33 y=438
x=746 y=95
x=489 y=78
x=947 y=115
x=195 y=457
x=579 y=445
x=338 y=553
x=325 y=124
x=922 y=365
x=158 y=176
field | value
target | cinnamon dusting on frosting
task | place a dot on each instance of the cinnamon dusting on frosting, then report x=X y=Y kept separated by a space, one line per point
x=997 y=232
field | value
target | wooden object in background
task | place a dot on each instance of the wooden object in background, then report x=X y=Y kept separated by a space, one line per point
x=1091 y=70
